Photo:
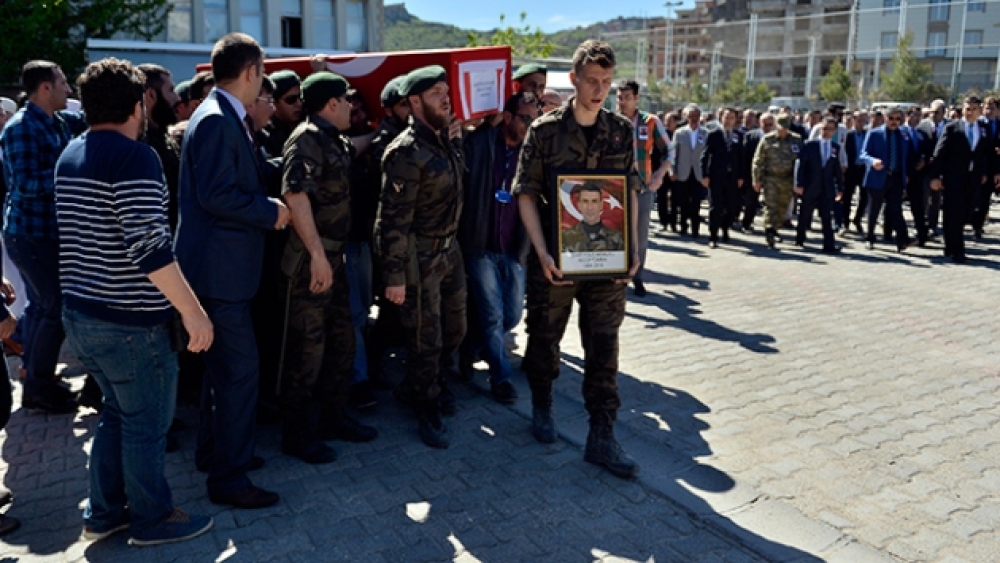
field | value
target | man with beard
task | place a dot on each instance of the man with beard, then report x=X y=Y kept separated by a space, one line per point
x=385 y=330
x=493 y=241
x=160 y=100
x=287 y=110
x=569 y=138
x=421 y=262
x=531 y=78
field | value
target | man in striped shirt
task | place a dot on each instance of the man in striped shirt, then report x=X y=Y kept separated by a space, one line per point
x=120 y=284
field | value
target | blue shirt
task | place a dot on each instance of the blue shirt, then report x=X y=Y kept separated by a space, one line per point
x=32 y=142
x=111 y=205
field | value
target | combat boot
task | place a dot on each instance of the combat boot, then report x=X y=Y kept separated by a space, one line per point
x=603 y=449
x=430 y=427
x=769 y=235
x=543 y=425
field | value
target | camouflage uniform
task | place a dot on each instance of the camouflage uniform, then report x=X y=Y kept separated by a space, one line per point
x=556 y=141
x=418 y=216
x=319 y=354
x=577 y=239
x=774 y=167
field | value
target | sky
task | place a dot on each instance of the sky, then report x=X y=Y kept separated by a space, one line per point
x=549 y=16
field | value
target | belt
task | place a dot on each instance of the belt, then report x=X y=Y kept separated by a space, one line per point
x=434 y=244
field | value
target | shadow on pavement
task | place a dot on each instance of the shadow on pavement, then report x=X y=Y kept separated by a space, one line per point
x=687 y=317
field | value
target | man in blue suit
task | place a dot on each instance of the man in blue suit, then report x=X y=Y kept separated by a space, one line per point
x=224 y=211
x=885 y=155
x=819 y=181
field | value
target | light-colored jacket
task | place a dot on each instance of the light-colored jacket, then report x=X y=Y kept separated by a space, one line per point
x=687 y=159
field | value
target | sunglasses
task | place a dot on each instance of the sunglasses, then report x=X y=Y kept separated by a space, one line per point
x=291 y=99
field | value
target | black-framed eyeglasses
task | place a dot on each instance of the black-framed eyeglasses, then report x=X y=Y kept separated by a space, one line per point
x=525 y=119
x=291 y=99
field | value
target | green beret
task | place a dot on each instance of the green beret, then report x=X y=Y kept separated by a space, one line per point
x=390 y=94
x=783 y=120
x=321 y=86
x=421 y=80
x=284 y=80
x=183 y=90
x=531 y=68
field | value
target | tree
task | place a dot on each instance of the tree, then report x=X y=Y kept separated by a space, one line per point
x=57 y=30
x=523 y=41
x=737 y=90
x=909 y=80
x=836 y=85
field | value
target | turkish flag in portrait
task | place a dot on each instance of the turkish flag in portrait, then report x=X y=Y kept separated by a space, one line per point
x=612 y=192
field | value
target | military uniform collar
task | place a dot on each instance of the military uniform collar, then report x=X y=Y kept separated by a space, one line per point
x=603 y=121
x=323 y=124
x=421 y=129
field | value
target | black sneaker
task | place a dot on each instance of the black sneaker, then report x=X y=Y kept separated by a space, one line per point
x=504 y=392
x=361 y=396
x=179 y=526
x=349 y=430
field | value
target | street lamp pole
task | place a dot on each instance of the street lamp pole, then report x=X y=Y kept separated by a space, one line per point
x=669 y=38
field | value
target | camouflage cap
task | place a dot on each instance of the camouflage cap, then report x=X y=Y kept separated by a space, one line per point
x=783 y=120
x=422 y=79
x=390 y=94
x=284 y=80
x=183 y=90
x=528 y=69
x=321 y=86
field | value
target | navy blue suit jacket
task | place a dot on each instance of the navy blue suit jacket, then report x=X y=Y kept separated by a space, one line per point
x=877 y=146
x=813 y=176
x=224 y=209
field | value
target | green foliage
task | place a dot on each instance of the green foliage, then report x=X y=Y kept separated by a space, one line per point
x=57 y=30
x=836 y=85
x=910 y=80
x=737 y=90
x=418 y=34
x=523 y=41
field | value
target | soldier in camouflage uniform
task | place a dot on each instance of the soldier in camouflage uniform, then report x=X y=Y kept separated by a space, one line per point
x=590 y=234
x=421 y=262
x=320 y=339
x=578 y=135
x=774 y=173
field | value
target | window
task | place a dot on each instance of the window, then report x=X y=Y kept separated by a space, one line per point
x=939 y=10
x=890 y=7
x=291 y=24
x=976 y=6
x=324 y=25
x=357 y=26
x=890 y=39
x=935 y=43
x=216 y=19
x=251 y=21
x=179 y=22
x=973 y=37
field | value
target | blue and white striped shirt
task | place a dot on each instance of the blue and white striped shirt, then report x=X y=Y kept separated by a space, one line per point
x=111 y=212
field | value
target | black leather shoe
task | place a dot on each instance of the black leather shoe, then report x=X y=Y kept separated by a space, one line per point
x=49 y=404
x=870 y=245
x=959 y=259
x=432 y=431
x=313 y=453
x=256 y=462
x=800 y=243
x=725 y=236
x=250 y=497
x=713 y=244
x=504 y=392
x=543 y=426
x=769 y=237
x=831 y=250
x=640 y=288
x=349 y=430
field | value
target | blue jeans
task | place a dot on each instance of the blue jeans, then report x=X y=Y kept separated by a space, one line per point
x=359 y=288
x=137 y=372
x=496 y=290
x=38 y=262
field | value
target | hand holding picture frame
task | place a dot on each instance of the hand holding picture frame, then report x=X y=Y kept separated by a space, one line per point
x=591 y=224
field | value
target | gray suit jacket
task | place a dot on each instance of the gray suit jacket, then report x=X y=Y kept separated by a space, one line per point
x=686 y=159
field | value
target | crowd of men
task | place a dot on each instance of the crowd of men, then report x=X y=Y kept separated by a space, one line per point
x=947 y=169
x=151 y=230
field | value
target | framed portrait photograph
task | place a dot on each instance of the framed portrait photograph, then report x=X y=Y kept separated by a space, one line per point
x=591 y=224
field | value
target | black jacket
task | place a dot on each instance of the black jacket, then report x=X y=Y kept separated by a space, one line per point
x=722 y=159
x=476 y=228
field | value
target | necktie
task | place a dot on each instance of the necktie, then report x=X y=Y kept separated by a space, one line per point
x=826 y=152
x=892 y=151
x=971 y=135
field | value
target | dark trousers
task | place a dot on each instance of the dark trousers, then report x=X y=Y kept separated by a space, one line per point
x=891 y=195
x=38 y=262
x=688 y=192
x=664 y=206
x=602 y=310
x=724 y=205
x=852 y=182
x=915 y=194
x=227 y=433
x=982 y=206
x=825 y=203
x=751 y=204
x=935 y=201
x=954 y=204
